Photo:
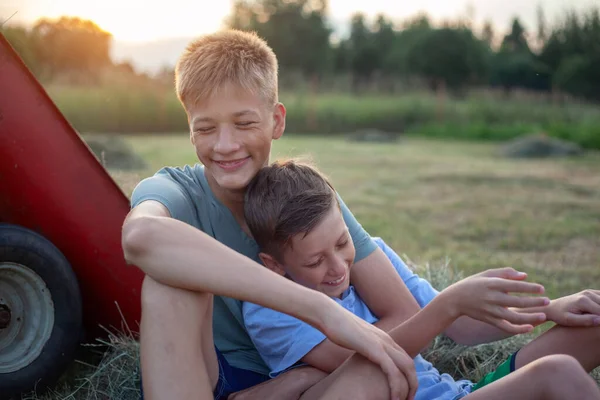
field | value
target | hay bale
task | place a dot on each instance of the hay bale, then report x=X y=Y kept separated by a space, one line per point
x=540 y=146
x=116 y=375
x=374 y=136
x=115 y=153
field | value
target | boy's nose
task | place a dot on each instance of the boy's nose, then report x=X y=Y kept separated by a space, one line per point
x=226 y=142
x=339 y=267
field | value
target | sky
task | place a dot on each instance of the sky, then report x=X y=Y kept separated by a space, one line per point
x=136 y=21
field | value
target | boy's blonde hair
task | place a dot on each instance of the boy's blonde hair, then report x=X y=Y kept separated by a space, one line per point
x=228 y=56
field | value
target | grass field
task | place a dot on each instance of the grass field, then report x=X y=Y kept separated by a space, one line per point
x=450 y=208
x=433 y=200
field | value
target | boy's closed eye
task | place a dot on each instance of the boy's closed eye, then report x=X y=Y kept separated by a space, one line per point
x=343 y=243
x=314 y=264
x=245 y=124
x=203 y=129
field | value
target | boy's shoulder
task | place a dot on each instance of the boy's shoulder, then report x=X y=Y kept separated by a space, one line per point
x=182 y=190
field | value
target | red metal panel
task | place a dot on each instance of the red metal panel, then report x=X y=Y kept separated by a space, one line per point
x=51 y=182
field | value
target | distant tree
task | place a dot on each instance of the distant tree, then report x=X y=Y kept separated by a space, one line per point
x=572 y=53
x=71 y=44
x=364 y=51
x=542 y=33
x=515 y=65
x=295 y=29
x=451 y=57
x=487 y=34
x=516 y=41
x=22 y=41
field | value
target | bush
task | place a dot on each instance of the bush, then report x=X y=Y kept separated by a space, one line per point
x=113 y=152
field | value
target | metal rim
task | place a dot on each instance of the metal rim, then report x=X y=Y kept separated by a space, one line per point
x=30 y=316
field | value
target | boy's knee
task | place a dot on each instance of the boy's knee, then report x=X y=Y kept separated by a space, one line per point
x=157 y=298
x=558 y=368
x=368 y=381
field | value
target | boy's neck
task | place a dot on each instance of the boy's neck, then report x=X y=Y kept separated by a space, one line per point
x=233 y=200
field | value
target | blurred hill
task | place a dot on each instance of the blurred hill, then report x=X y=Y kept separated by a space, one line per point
x=149 y=57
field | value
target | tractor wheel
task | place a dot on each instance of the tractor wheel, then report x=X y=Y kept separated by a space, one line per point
x=40 y=312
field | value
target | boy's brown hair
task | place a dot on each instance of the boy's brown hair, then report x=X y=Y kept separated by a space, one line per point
x=285 y=199
x=228 y=56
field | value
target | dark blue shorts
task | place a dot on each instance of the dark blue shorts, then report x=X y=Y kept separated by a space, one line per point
x=231 y=379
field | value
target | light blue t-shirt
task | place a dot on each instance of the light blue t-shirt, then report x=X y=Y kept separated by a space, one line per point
x=188 y=197
x=283 y=341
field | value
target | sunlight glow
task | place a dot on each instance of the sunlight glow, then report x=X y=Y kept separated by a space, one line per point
x=138 y=20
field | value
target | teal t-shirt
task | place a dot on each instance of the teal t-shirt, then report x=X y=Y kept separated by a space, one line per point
x=188 y=197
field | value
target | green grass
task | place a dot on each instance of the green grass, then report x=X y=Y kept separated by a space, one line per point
x=153 y=108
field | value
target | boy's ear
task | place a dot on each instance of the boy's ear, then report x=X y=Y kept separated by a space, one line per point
x=271 y=263
x=279 y=120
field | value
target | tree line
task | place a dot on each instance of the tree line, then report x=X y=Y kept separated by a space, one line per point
x=564 y=55
x=560 y=56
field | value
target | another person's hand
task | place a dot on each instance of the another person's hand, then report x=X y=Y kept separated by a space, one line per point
x=577 y=310
x=349 y=331
x=485 y=297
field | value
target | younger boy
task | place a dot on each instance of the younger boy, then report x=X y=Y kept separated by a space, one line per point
x=293 y=214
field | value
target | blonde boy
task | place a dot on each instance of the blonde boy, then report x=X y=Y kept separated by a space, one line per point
x=186 y=231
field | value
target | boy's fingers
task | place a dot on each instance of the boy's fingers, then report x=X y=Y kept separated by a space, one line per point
x=506 y=285
x=507 y=300
x=591 y=304
x=395 y=378
x=505 y=273
x=583 y=320
x=594 y=296
x=406 y=365
x=518 y=318
x=510 y=328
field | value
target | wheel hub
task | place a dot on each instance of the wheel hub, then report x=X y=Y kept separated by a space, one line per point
x=5 y=316
x=26 y=316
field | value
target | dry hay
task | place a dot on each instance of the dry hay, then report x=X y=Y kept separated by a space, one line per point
x=115 y=376
x=540 y=146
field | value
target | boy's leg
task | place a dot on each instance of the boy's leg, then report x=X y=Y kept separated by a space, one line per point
x=178 y=354
x=176 y=343
x=581 y=343
x=547 y=378
x=357 y=378
x=288 y=386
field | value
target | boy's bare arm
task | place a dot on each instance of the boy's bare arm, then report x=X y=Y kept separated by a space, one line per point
x=483 y=296
x=412 y=335
x=197 y=262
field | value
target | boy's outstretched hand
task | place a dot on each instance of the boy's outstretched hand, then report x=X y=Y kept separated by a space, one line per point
x=486 y=297
x=577 y=310
x=347 y=330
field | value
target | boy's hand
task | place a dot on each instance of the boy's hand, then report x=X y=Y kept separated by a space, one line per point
x=347 y=330
x=485 y=297
x=577 y=310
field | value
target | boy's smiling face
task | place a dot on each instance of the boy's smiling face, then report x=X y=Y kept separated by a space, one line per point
x=232 y=132
x=321 y=260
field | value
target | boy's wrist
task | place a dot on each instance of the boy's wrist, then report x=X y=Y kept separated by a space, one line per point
x=448 y=302
x=319 y=310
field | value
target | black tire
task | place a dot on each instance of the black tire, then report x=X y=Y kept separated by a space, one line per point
x=22 y=246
